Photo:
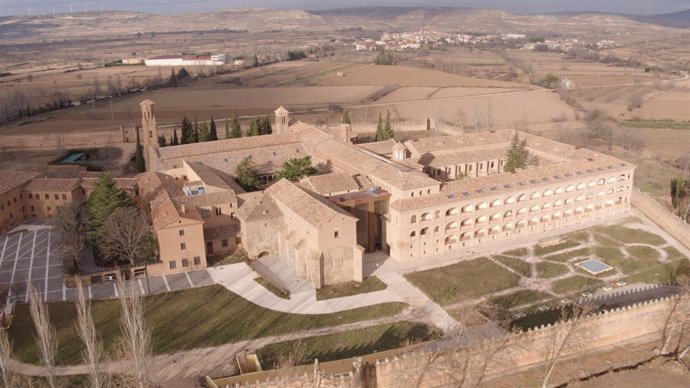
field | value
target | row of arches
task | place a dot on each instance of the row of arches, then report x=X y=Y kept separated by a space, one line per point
x=454 y=227
x=428 y=216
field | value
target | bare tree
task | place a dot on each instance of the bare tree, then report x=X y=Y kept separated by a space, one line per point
x=676 y=323
x=567 y=336
x=631 y=140
x=136 y=336
x=93 y=348
x=5 y=356
x=125 y=234
x=45 y=333
x=70 y=223
x=483 y=118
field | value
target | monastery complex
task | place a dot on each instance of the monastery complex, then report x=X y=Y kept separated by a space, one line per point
x=412 y=200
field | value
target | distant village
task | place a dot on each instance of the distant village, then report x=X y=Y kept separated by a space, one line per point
x=411 y=41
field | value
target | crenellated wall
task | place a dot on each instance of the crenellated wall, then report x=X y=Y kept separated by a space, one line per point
x=642 y=323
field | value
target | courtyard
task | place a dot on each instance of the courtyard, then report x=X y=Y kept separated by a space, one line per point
x=546 y=275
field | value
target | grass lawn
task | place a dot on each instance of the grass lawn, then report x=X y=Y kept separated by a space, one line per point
x=541 y=251
x=661 y=273
x=348 y=344
x=630 y=235
x=609 y=255
x=516 y=264
x=579 y=236
x=464 y=280
x=643 y=252
x=575 y=283
x=519 y=252
x=193 y=318
x=548 y=270
x=369 y=284
x=673 y=254
x=518 y=298
x=567 y=256
x=239 y=256
x=606 y=241
x=277 y=291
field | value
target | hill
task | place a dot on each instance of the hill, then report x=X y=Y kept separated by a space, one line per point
x=677 y=19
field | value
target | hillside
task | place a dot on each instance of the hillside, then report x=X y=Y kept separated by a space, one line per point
x=23 y=29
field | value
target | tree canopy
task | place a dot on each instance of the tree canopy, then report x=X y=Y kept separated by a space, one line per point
x=213 y=132
x=186 y=132
x=294 y=169
x=518 y=156
x=253 y=128
x=346 y=117
x=235 y=129
x=105 y=198
x=246 y=174
x=139 y=155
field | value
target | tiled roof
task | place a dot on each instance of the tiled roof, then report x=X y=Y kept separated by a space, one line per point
x=214 y=177
x=209 y=199
x=326 y=184
x=12 y=179
x=52 y=184
x=313 y=208
x=380 y=147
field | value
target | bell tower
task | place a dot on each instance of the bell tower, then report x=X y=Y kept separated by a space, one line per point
x=282 y=120
x=149 y=129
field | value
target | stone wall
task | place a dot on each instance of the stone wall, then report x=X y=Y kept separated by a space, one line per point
x=640 y=323
x=71 y=139
x=676 y=227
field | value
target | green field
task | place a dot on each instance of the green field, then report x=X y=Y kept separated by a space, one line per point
x=199 y=317
x=464 y=280
x=369 y=284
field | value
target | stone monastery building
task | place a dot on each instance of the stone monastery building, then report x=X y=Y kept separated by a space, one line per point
x=435 y=196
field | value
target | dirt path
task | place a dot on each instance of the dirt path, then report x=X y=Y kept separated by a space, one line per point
x=217 y=360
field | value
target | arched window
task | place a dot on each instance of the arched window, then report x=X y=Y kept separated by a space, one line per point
x=581 y=186
x=468 y=209
x=451 y=240
x=496 y=216
x=424 y=232
x=482 y=206
x=611 y=179
x=548 y=192
x=436 y=229
x=466 y=236
x=508 y=227
x=508 y=214
x=413 y=234
x=601 y=181
x=546 y=206
x=622 y=177
x=536 y=195
x=579 y=210
x=535 y=208
x=580 y=198
x=560 y=190
x=451 y=226
x=569 y=201
x=570 y=188
x=452 y=211
x=533 y=221
x=426 y=216
x=557 y=215
x=495 y=230
x=467 y=222
x=510 y=200
x=496 y=203
x=522 y=197
x=480 y=233
x=568 y=212
x=482 y=219
x=545 y=218
x=601 y=193
x=591 y=184
x=413 y=219
x=590 y=196
x=558 y=203
x=521 y=224
x=523 y=211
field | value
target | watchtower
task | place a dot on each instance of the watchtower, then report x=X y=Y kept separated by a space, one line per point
x=149 y=130
x=282 y=120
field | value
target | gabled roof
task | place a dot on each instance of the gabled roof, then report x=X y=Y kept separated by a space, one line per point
x=313 y=208
x=52 y=184
x=146 y=102
x=281 y=111
x=213 y=177
x=13 y=179
x=336 y=182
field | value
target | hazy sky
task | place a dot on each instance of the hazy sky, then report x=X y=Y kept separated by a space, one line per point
x=16 y=7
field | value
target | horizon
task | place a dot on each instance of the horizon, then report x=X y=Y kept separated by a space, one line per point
x=43 y=7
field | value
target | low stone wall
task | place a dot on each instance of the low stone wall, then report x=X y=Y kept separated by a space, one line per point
x=72 y=139
x=444 y=363
x=679 y=229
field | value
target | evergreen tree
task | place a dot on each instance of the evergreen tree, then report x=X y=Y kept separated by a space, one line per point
x=195 y=131
x=387 y=128
x=379 y=129
x=264 y=125
x=518 y=156
x=253 y=128
x=246 y=175
x=346 y=118
x=294 y=169
x=213 y=133
x=139 y=155
x=105 y=198
x=162 y=141
x=175 y=141
x=187 y=132
x=227 y=128
x=235 y=129
x=204 y=132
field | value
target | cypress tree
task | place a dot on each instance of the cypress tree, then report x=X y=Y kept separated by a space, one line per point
x=174 y=140
x=387 y=128
x=235 y=129
x=204 y=133
x=139 y=155
x=346 y=118
x=173 y=77
x=213 y=133
x=195 y=131
x=379 y=129
x=253 y=128
x=186 y=132
x=162 y=141
x=265 y=125
x=227 y=128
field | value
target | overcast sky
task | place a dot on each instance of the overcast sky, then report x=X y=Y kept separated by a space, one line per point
x=17 y=7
